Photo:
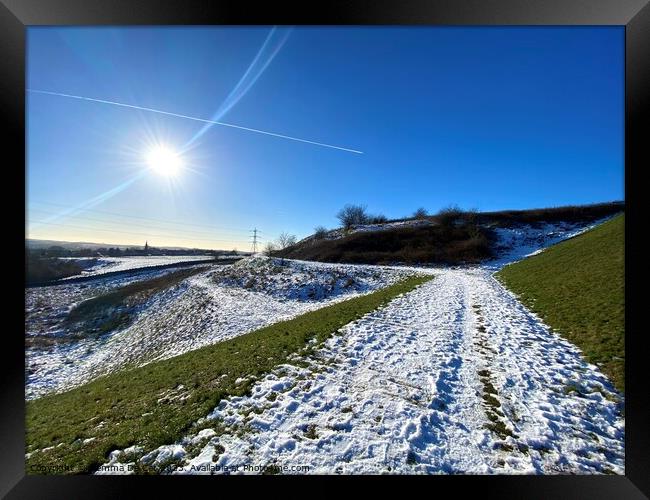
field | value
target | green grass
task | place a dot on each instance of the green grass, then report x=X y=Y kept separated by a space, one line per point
x=577 y=288
x=147 y=405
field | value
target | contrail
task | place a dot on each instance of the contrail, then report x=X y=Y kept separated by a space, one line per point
x=246 y=82
x=224 y=124
x=96 y=200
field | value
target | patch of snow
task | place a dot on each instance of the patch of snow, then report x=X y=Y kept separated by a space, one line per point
x=210 y=307
x=336 y=234
x=401 y=391
x=523 y=240
x=94 y=266
x=418 y=385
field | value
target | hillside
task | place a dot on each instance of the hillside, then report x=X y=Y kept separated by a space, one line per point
x=88 y=329
x=344 y=368
x=577 y=288
x=188 y=386
x=407 y=244
x=452 y=237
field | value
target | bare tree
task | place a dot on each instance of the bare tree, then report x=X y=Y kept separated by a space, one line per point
x=285 y=240
x=471 y=215
x=420 y=213
x=448 y=216
x=320 y=232
x=352 y=215
x=269 y=248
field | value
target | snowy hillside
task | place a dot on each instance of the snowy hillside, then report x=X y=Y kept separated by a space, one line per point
x=522 y=240
x=210 y=307
x=301 y=280
x=336 y=234
x=454 y=377
x=215 y=305
x=93 y=266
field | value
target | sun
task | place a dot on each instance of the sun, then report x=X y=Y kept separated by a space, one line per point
x=164 y=161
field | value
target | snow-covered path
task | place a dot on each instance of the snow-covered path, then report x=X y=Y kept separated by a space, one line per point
x=454 y=377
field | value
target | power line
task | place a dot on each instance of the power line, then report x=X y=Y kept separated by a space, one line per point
x=129 y=232
x=255 y=238
x=137 y=216
x=148 y=226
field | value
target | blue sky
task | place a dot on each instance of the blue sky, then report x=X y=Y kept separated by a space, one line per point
x=487 y=118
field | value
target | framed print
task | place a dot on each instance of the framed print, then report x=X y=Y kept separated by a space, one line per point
x=385 y=240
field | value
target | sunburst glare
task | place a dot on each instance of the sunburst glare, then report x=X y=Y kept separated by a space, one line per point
x=164 y=161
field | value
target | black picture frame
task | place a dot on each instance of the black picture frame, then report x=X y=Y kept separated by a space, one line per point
x=16 y=15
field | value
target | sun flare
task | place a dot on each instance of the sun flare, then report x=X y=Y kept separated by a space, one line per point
x=164 y=161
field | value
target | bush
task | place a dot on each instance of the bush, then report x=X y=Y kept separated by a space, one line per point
x=449 y=215
x=471 y=216
x=269 y=249
x=377 y=219
x=320 y=232
x=352 y=215
x=420 y=213
x=412 y=245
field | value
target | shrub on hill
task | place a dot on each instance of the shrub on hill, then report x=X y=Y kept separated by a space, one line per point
x=320 y=232
x=377 y=219
x=352 y=215
x=428 y=244
x=420 y=213
x=448 y=216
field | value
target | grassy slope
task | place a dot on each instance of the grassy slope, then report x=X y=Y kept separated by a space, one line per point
x=147 y=406
x=577 y=288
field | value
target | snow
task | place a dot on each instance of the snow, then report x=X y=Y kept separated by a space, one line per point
x=523 y=240
x=94 y=266
x=399 y=391
x=336 y=234
x=456 y=376
x=210 y=307
x=414 y=387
